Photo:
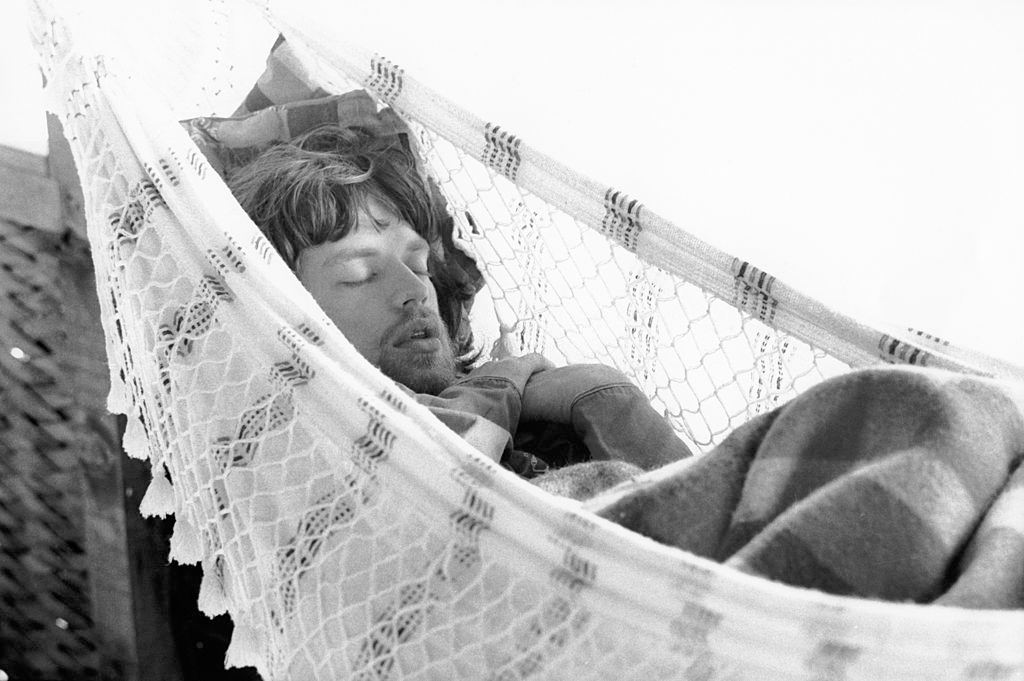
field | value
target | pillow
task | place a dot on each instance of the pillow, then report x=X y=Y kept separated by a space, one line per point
x=229 y=143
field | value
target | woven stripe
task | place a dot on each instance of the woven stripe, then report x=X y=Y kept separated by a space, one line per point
x=900 y=352
x=693 y=626
x=759 y=279
x=622 y=219
x=198 y=163
x=228 y=259
x=935 y=340
x=502 y=151
x=386 y=79
x=264 y=249
x=295 y=371
x=752 y=290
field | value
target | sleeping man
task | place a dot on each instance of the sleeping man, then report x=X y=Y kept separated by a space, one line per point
x=891 y=483
x=353 y=217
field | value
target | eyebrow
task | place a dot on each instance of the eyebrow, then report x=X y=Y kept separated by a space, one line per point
x=370 y=252
x=345 y=256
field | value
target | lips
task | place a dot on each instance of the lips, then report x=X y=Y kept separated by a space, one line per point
x=422 y=334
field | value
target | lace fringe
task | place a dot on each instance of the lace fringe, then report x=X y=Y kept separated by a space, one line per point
x=159 y=499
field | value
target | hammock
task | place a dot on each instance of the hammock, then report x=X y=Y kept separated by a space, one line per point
x=346 y=531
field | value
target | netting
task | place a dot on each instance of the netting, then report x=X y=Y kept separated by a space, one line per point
x=575 y=295
x=346 y=531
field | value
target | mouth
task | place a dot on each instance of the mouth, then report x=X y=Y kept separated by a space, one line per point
x=419 y=335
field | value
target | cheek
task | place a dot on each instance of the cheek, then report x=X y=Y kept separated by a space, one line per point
x=358 y=313
x=361 y=320
x=432 y=298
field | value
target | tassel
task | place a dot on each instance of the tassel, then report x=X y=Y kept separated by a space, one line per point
x=117 y=399
x=134 y=442
x=244 y=649
x=185 y=546
x=502 y=347
x=159 y=499
x=212 y=599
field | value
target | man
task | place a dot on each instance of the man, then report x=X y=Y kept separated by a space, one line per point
x=352 y=215
x=886 y=482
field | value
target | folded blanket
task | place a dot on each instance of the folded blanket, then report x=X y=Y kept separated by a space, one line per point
x=894 y=483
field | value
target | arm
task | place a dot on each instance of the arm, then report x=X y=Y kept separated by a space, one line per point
x=484 y=407
x=607 y=411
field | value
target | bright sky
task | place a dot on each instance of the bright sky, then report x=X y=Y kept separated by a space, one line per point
x=870 y=153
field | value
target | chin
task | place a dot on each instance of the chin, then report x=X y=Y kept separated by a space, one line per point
x=429 y=383
x=428 y=376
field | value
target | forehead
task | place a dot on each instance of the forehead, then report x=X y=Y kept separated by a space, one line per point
x=390 y=237
x=377 y=233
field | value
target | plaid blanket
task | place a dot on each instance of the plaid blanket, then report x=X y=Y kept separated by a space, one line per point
x=892 y=483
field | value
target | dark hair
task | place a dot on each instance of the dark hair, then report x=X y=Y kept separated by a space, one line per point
x=309 y=191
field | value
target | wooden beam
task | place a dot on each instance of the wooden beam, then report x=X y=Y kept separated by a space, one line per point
x=42 y=191
x=61 y=167
x=22 y=160
x=148 y=543
x=108 y=563
x=30 y=199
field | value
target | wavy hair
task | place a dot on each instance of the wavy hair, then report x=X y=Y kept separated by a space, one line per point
x=310 y=190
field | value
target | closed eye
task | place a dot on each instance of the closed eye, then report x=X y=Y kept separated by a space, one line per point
x=419 y=266
x=359 y=282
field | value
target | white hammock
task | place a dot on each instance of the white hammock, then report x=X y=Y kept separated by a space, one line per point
x=346 y=531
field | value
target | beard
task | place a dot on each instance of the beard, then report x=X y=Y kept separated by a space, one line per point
x=421 y=372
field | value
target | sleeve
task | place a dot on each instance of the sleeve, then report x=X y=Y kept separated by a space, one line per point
x=484 y=407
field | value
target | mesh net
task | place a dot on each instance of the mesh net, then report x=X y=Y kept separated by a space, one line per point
x=346 y=531
x=561 y=289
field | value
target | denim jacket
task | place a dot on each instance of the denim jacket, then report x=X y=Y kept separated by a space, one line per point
x=531 y=421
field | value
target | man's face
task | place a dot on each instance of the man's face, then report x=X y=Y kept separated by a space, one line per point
x=374 y=286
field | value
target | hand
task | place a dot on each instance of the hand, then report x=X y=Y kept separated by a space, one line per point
x=517 y=369
x=535 y=361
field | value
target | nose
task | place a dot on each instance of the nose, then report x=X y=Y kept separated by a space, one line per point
x=411 y=289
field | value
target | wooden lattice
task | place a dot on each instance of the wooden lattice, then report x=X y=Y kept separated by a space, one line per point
x=46 y=628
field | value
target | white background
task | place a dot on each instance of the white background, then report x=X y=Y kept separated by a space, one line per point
x=869 y=153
